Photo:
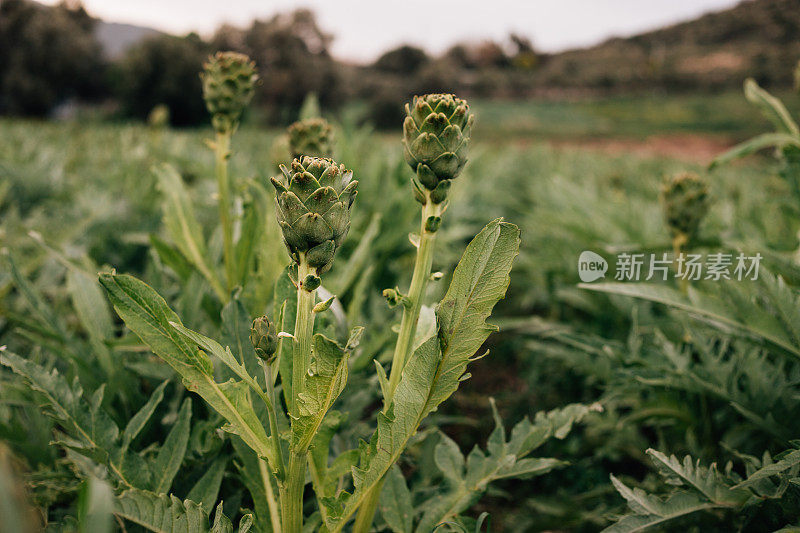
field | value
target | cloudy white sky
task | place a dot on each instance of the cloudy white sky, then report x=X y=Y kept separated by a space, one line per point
x=364 y=29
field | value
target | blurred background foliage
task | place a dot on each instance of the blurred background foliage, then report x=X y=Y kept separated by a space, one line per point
x=58 y=58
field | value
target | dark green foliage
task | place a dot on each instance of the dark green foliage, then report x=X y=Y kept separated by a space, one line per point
x=164 y=70
x=405 y=60
x=49 y=56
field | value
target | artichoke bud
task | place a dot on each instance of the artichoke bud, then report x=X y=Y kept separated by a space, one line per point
x=263 y=337
x=685 y=202
x=311 y=283
x=392 y=296
x=312 y=136
x=436 y=134
x=432 y=224
x=439 y=194
x=229 y=80
x=314 y=201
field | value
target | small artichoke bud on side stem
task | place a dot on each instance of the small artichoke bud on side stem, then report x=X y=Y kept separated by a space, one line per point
x=229 y=80
x=314 y=201
x=684 y=198
x=436 y=134
x=264 y=338
x=311 y=137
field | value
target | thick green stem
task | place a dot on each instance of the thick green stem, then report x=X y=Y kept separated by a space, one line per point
x=405 y=339
x=303 y=331
x=366 y=513
x=292 y=491
x=222 y=149
x=678 y=242
x=292 y=494
x=413 y=301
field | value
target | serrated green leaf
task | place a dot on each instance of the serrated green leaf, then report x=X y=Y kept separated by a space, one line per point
x=235 y=334
x=326 y=379
x=225 y=356
x=161 y=513
x=181 y=222
x=395 y=503
x=148 y=316
x=771 y=107
x=91 y=306
x=751 y=146
x=138 y=421
x=651 y=511
x=91 y=432
x=248 y=237
x=171 y=257
x=222 y=523
x=448 y=458
x=789 y=461
x=170 y=455
x=95 y=507
x=707 y=481
x=206 y=489
x=502 y=459
x=434 y=370
x=753 y=318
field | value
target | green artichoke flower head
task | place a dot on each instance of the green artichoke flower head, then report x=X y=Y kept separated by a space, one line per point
x=685 y=200
x=436 y=134
x=314 y=201
x=229 y=80
x=263 y=337
x=312 y=136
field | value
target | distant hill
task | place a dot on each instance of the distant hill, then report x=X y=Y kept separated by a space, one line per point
x=116 y=38
x=759 y=38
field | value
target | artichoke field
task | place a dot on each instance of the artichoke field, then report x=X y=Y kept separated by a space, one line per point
x=359 y=332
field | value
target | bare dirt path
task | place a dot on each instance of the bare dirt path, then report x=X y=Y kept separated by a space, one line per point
x=688 y=147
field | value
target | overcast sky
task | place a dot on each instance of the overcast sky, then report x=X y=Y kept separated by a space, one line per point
x=363 y=29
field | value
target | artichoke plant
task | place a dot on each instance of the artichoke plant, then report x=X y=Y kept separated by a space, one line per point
x=229 y=80
x=685 y=202
x=263 y=337
x=312 y=136
x=314 y=201
x=436 y=134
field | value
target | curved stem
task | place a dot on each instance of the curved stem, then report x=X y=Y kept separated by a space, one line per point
x=678 y=242
x=303 y=331
x=222 y=149
x=292 y=491
x=413 y=301
x=292 y=495
x=405 y=339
